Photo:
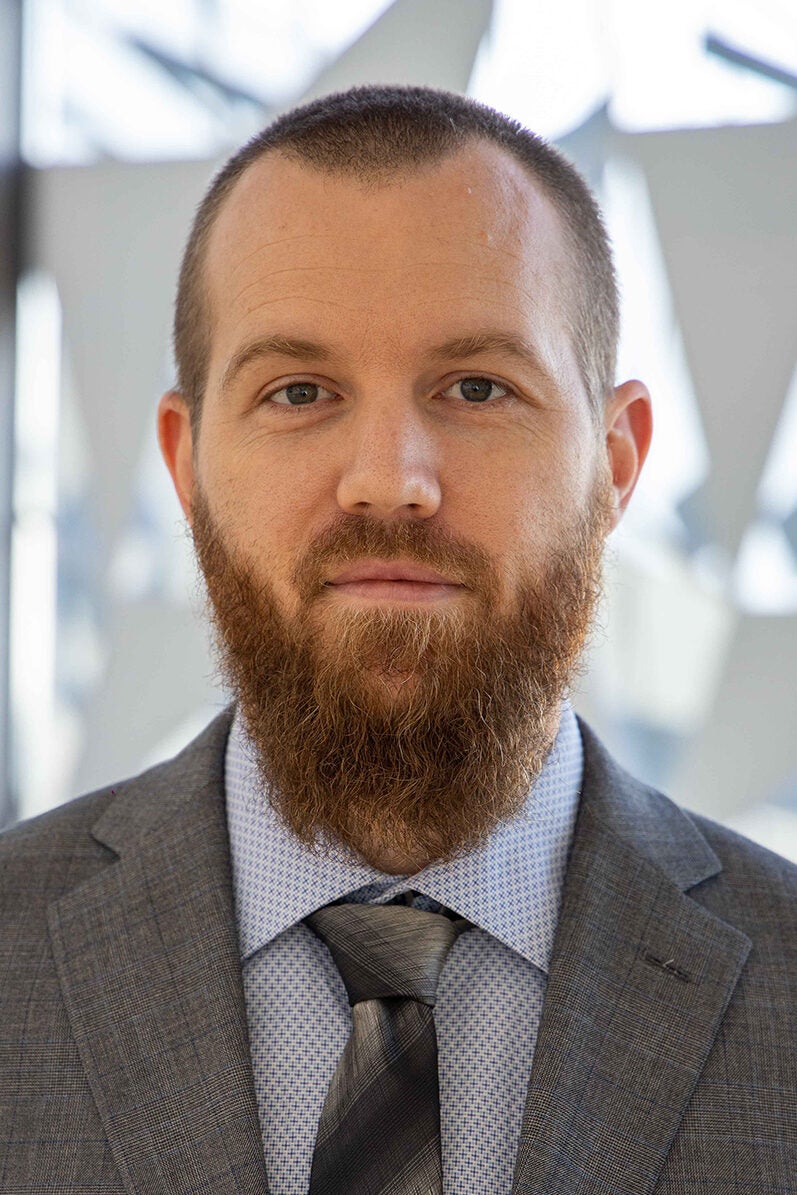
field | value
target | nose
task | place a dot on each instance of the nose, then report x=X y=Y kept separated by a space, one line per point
x=390 y=468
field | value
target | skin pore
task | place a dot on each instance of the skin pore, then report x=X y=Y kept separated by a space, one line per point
x=392 y=386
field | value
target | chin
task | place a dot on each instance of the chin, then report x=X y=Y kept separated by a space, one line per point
x=383 y=689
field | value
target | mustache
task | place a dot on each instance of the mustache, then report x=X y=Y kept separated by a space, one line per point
x=351 y=537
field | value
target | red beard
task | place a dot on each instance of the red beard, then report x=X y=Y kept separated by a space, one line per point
x=401 y=733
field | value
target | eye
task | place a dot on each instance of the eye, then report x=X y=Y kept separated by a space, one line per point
x=298 y=394
x=477 y=389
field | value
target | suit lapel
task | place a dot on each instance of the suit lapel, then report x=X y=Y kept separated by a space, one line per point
x=147 y=957
x=639 y=981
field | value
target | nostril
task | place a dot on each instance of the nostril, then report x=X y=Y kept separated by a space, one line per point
x=385 y=497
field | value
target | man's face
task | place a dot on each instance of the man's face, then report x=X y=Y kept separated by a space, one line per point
x=390 y=284
x=399 y=498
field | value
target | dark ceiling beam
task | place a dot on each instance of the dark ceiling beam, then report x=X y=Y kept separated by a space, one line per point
x=188 y=74
x=728 y=53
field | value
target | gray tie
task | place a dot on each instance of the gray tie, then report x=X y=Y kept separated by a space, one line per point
x=380 y=1126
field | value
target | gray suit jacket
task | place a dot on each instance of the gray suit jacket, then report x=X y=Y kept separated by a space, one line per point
x=666 y=1055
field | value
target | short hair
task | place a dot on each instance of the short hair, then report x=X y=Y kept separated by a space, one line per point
x=373 y=133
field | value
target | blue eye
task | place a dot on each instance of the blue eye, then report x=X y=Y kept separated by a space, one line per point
x=476 y=389
x=298 y=394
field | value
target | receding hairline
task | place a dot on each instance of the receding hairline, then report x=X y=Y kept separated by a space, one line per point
x=378 y=176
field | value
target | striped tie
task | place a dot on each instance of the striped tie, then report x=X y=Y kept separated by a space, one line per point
x=380 y=1126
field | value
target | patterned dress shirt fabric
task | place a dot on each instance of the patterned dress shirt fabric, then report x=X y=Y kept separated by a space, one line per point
x=491 y=990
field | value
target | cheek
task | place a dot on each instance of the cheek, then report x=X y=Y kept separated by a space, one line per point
x=265 y=491
x=515 y=486
x=527 y=506
x=273 y=516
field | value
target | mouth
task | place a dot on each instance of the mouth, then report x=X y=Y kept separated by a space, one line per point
x=395 y=581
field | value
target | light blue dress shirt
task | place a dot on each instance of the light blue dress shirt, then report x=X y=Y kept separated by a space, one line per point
x=491 y=989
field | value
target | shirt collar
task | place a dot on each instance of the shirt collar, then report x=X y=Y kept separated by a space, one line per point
x=509 y=886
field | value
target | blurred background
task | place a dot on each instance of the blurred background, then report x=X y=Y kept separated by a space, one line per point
x=114 y=115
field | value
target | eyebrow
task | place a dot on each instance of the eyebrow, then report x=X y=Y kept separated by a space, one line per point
x=505 y=343
x=271 y=346
x=477 y=344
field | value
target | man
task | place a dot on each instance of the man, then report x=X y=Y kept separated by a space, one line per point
x=399 y=446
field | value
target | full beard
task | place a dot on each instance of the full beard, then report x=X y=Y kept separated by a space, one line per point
x=401 y=732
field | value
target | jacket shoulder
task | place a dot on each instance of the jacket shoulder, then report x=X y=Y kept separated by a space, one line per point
x=756 y=889
x=41 y=856
x=736 y=879
x=44 y=855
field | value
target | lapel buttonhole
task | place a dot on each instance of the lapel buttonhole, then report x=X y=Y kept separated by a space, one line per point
x=667 y=965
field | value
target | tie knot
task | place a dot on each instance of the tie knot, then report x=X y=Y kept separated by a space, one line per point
x=387 y=950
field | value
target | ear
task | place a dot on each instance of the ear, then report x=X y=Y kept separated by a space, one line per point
x=628 y=420
x=174 y=437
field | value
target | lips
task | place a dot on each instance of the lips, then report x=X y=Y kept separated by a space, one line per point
x=385 y=570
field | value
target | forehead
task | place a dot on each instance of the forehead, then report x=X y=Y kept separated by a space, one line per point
x=469 y=236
